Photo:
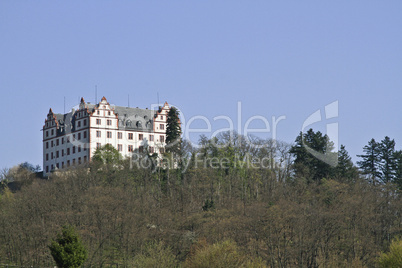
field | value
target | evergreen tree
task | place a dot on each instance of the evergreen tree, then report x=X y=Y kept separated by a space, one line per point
x=371 y=161
x=173 y=132
x=388 y=163
x=345 y=170
x=398 y=169
x=313 y=155
x=67 y=250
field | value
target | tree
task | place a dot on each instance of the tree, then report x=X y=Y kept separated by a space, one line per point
x=173 y=131
x=155 y=255
x=371 y=160
x=387 y=156
x=398 y=169
x=345 y=170
x=394 y=257
x=67 y=250
x=313 y=155
x=220 y=255
x=107 y=154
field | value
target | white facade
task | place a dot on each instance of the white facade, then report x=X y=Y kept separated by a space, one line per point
x=72 y=138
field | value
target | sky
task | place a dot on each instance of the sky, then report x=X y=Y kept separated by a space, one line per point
x=258 y=63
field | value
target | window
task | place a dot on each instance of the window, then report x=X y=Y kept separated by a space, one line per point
x=120 y=147
x=68 y=163
x=68 y=139
x=79 y=160
x=52 y=132
x=51 y=167
x=162 y=138
x=119 y=135
x=62 y=152
x=85 y=134
x=130 y=148
x=140 y=137
x=57 y=142
x=47 y=157
x=109 y=134
x=79 y=123
x=85 y=122
x=62 y=140
x=162 y=150
x=130 y=136
x=98 y=134
x=62 y=164
x=73 y=149
x=151 y=137
x=161 y=117
x=51 y=156
x=74 y=161
x=161 y=126
x=98 y=145
x=98 y=121
x=141 y=149
x=79 y=148
x=57 y=154
x=85 y=159
x=47 y=133
x=51 y=143
x=73 y=137
x=79 y=136
x=57 y=165
x=47 y=145
x=151 y=149
x=108 y=113
x=68 y=151
x=109 y=122
x=97 y=112
x=47 y=169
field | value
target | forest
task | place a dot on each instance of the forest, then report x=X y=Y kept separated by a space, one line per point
x=231 y=201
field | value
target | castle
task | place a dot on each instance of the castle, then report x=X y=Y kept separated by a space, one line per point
x=72 y=138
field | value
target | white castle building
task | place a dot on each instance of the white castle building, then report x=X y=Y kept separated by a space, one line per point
x=72 y=138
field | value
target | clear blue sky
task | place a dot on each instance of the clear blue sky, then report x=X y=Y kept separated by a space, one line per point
x=277 y=58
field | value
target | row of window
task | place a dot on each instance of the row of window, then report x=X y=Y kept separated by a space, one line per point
x=130 y=148
x=130 y=136
x=84 y=122
x=104 y=107
x=108 y=122
x=66 y=152
x=68 y=163
x=66 y=139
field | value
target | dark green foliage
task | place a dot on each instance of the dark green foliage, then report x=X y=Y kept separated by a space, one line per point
x=30 y=167
x=388 y=163
x=67 y=250
x=398 y=170
x=173 y=131
x=345 y=170
x=313 y=155
x=107 y=154
x=208 y=205
x=381 y=163
x=370 y=161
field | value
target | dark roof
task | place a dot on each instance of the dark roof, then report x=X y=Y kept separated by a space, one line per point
x=129 y=118
x=135 y=118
